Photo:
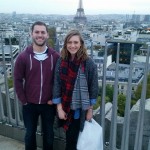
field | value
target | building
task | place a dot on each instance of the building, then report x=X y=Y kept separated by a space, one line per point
x=123 y=75
x=125 y=50
x=6 y=32
x=8 y=52
x=147 y=18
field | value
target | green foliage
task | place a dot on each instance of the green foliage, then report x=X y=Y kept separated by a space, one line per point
x=51 y=43
x=135 y=98
x=122 y=98
x=109 y=92
x=97 y=103
x=10 y=82
x=138 y=52
x=52 y=36
x=52 y=32
x=108 y=97
x=121 y=104
x=97 y=47
x=133 y=102
x=137 y=93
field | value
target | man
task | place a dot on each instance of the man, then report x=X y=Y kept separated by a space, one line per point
x=34 y=76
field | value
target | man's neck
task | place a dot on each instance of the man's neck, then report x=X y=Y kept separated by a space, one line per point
x=39 y=48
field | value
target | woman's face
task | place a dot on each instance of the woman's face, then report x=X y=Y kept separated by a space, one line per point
x=73 y=45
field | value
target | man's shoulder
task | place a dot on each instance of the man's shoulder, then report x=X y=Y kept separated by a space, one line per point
x=23 y=54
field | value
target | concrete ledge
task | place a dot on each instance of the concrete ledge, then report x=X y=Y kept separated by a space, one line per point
x=18 y=134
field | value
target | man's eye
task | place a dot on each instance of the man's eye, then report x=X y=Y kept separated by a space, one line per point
x=43 y=32
x=37 y=32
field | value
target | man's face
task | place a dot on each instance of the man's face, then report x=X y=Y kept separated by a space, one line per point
x=39 y=35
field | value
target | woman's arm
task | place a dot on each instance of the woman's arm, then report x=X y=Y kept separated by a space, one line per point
x=57 y=92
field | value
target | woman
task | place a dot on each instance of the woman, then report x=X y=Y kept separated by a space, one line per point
x=75 y=87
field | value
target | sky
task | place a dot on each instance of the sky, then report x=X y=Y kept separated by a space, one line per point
x=69 y=7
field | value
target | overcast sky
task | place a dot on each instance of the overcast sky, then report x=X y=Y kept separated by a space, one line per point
x=70 y=6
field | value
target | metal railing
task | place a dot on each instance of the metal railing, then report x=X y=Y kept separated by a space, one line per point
x=10 y=107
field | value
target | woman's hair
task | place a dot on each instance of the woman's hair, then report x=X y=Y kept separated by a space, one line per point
x=81 y=53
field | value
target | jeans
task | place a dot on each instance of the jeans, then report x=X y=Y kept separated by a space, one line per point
x=31 y=113
x=72 y=134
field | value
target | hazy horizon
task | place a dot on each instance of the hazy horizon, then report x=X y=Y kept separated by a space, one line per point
x=69 y=7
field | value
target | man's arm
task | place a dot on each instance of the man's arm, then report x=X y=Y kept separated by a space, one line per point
x=19 y=75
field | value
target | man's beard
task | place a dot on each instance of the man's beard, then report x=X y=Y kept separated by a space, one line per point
x=39 y=44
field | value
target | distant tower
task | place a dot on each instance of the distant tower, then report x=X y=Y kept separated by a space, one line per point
x=80 y=16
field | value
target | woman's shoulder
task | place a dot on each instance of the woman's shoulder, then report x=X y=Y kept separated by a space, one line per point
x=89 y=62
x=58 y=63
x=59 y=60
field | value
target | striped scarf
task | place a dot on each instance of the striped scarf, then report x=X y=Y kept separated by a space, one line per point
x=80 y=97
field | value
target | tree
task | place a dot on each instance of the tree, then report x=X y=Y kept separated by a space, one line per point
x=121 y=104
x=51 y=43
x=108 y=96
x=52 y=36
x=10 y=82
x=137 y=93
x=97 y=47
x=109 y=92
x=97 y=103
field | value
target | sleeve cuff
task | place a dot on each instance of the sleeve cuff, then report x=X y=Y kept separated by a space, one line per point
x=56 y=100
x=92 y=101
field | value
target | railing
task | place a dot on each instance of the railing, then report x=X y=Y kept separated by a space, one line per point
x=10 y=107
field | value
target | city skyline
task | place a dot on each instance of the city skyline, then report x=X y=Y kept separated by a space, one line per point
x=69 y=7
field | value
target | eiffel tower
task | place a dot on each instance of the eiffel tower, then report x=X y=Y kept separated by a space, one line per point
x=80 y=16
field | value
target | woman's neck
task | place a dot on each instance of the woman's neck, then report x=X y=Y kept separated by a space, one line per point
x=72 y=57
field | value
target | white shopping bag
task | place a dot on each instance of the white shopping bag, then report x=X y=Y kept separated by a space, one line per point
x=91 y=138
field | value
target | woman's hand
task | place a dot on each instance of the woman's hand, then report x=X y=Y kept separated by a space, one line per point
x=89 y=114
x=61 y=112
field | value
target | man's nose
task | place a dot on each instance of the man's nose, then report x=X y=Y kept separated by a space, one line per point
x=40 y=34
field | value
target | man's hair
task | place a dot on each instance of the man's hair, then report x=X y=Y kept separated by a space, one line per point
x=40 y=24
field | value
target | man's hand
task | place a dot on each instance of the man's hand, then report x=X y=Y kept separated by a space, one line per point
x=50 y=102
